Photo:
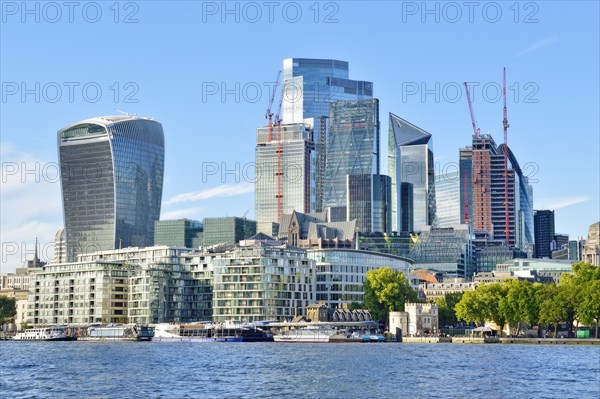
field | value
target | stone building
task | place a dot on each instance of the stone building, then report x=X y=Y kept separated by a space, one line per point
x=418 y=319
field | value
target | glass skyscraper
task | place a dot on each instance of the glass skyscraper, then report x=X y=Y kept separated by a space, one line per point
x=309 y=86
x=112 y=179
x=369 y=198
x=447 y=199
x=285 y=171
x=410 y=160
x=352 y=147
x=466 y=178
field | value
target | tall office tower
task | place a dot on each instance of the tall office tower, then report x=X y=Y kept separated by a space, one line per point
x=447 y=199
x=520 y=199
x=410 y=160
x=465 y=171
x=352 y=148
x=112 y=179
x=484 y=148
x=487 y=186
x=309 y=86
x=285 y=171
x=544 y=232
x=368 y=201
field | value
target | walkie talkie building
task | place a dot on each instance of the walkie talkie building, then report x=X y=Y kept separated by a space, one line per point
x=111 y=177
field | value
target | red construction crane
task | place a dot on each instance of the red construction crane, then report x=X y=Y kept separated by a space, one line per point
x=269 y=114
x=279 y=163
x=473 y=121
x=505 y=125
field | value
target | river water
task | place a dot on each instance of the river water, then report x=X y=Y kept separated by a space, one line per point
x=288 y=370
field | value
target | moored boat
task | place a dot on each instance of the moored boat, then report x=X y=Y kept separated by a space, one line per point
x=209 y=332
x=117 y=332
x=52 y=333
x=305 y=334
x=323 y=332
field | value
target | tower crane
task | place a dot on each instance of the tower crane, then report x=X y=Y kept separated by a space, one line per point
x=505 y=126
x=475 y=135
x=269 y=113
x=473 y=121
x=279 y=160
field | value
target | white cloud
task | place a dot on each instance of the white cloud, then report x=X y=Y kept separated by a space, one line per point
x=181 y=213
x=538 y=45
x=225 y=190
x=561 y=202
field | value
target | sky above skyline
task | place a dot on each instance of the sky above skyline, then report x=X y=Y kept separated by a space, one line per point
x=205 y=71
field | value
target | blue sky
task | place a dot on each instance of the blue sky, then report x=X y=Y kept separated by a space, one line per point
x=153 y=58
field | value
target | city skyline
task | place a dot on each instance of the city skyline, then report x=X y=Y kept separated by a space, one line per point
x=195 y=189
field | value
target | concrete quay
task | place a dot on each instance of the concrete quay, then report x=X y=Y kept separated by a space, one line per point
x=496 y=340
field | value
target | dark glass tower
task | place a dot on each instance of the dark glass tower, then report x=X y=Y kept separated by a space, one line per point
x=112 y=178
x=543 y=221
x=369 y=197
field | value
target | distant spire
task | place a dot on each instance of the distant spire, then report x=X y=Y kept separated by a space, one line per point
x=36 y=260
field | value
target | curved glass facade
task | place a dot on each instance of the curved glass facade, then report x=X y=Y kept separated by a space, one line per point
x=341 y=273
x=111 y=177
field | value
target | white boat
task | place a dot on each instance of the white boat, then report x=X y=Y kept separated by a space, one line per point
x=338 y=332
x=54 y=333
x=117 y=332
x=229 y=331
x=305 y=334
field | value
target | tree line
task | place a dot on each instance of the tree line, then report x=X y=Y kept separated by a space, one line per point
x=574 y=301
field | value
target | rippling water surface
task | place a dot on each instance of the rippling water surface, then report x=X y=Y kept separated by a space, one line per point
x=277 y=370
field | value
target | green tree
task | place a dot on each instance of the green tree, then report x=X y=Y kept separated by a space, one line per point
x=585 y=272
x=491 y=295
x=446 y=308
x=483 y=303
x=568 y=299
x=470 y=307
x=589 y=304
x=551 y=310
x=579 y=293
x=386 y=291
x=8 y=309
x=519 y=305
